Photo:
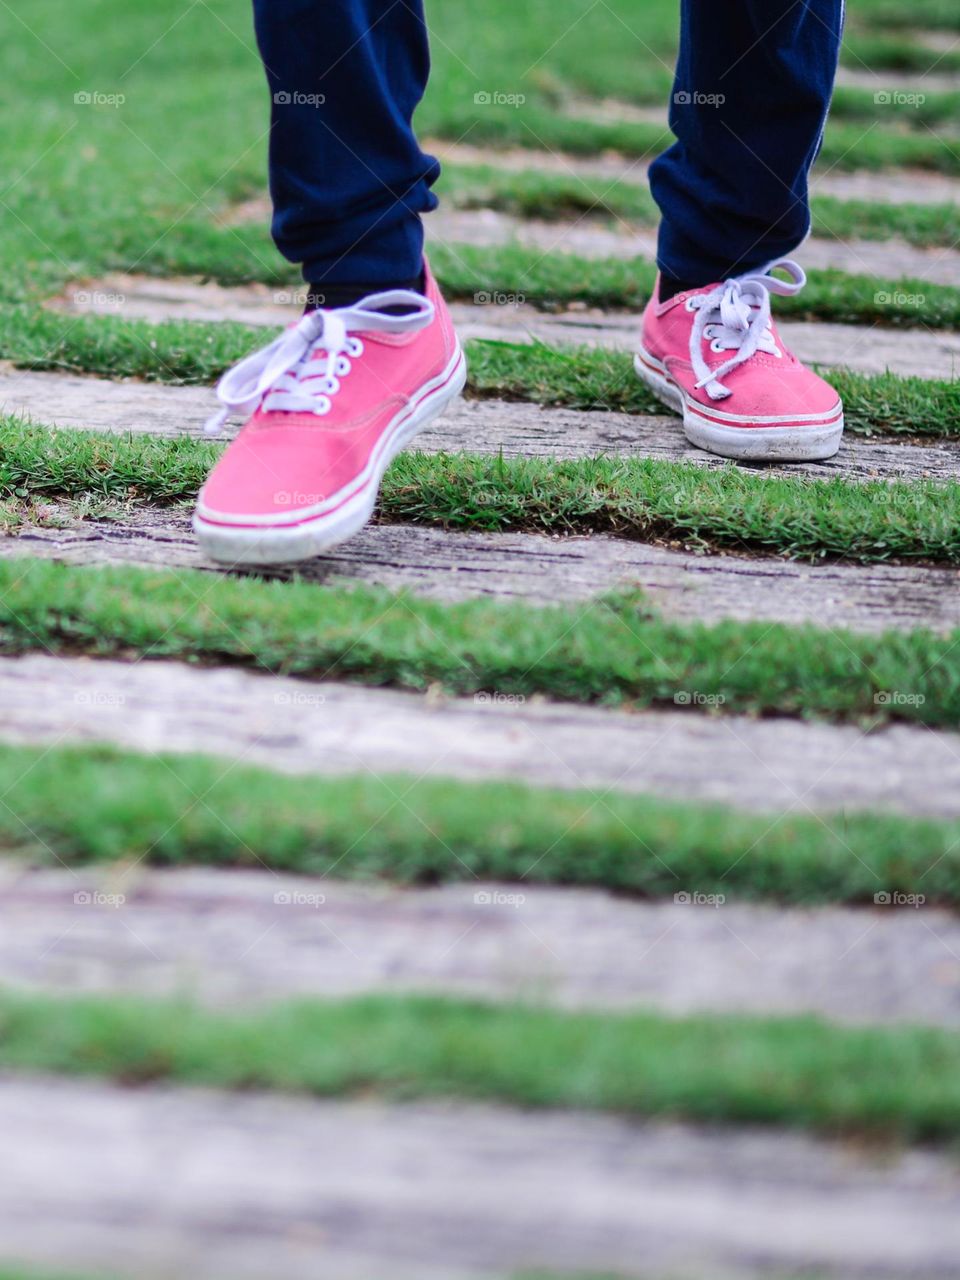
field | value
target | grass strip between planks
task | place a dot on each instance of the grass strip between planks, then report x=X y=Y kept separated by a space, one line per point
x=899 y=1083
x=80 y=805
x=610 y=650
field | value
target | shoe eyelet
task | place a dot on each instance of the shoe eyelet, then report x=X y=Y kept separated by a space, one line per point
x=343 y=366
x=355 y=347
x=716 y=346
x=322 y=406
x=692 y=304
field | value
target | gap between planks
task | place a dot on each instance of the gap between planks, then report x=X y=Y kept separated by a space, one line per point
x=775 y=765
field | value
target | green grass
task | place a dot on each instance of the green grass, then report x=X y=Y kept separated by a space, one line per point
x=881 y=143
x=939 y=14
x=175 y=351
x=181 y=353
x=637 y=497
x=866 y=47
x=546 y=281
x=926 y=226
x=550 y=279
x=190 y=137
x=897 y=1084
x=594 y=378
x=610 y=650
x=99 y=805
x=649 y=498
x=935 y=110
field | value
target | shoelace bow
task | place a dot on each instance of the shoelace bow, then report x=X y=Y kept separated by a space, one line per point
x=736 y=316
x=285 y=374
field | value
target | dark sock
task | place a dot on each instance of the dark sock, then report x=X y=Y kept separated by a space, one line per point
x=670 y=285
x=345 y=295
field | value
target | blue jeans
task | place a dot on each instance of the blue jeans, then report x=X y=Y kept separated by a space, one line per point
x=349 y=181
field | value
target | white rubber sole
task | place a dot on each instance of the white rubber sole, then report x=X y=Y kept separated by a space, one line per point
x=817 y=437
x=309 y=533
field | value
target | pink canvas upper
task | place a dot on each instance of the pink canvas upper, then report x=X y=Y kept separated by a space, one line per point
x=284 y=461
x=765 y=385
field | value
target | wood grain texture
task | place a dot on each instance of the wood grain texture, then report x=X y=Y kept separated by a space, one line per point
x=450 y=565
x=771 y=765
x=243 y=937
x=155 y=1183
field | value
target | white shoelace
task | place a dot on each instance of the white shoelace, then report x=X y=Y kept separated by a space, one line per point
x=285 y=375
x=736 y=317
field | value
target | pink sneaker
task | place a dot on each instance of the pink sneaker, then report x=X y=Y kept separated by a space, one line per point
x=720 y=345
x=333 y=400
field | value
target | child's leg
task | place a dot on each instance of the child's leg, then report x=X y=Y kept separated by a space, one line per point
x=752 y=90
x=375 y=357
x=347 y=177
x=750 y=100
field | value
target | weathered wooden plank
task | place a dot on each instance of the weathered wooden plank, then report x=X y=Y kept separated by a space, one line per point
x=517 y=429
x=771 y=765
x=236 y=938
x=155 y=1183
x=451 y=565
x=868 y=348
x=864 y=77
